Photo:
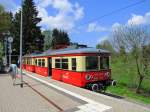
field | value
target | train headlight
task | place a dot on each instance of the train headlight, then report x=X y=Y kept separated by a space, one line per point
x=87 y=76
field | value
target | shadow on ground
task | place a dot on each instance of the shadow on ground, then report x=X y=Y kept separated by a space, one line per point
x=3 y=74
x=112 y=95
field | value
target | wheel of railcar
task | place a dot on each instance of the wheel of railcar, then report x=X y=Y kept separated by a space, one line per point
x=95 y=87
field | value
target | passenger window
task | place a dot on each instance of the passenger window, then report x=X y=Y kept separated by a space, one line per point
x=39 y=62
x=74 y=64
x=28 y=61
x=64 y=63
x=57 y=63
x=104 y=62
x=22 y=61
x=92 y=63
x=35 y=61
x=43 y=62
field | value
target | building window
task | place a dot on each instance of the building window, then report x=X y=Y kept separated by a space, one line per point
x=57 y=63
x=64 y=63
x=92 y=63
x=74 y=64
x=104 y=62
x=43 y=62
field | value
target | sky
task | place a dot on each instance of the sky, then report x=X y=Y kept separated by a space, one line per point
x=82 y=19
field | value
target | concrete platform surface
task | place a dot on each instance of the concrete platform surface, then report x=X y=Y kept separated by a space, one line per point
x=16 y=99
x=39 y=97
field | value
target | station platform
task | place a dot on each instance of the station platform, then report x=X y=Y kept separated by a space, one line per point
x=69 y=98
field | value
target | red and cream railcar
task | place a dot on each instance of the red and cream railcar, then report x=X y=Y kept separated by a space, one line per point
x=29 y=64
x=82 y=67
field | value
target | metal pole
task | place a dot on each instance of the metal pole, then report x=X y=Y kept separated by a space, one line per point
x=9 y=54
x=21 y=85
x=6 y=50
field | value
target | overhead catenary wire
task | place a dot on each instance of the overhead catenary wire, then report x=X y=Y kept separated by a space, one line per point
x=113 y=12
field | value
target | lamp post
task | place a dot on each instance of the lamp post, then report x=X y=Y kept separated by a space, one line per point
x=6 y=34
x=5 y=62
x=21 y=20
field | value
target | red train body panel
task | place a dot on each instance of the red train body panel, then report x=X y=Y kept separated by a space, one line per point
x=79 y=78
x=41 y=71
x=30 y=68
x=23 y=66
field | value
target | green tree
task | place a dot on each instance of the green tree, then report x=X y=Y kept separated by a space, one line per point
x=106 y=45
x=33 y=39
x=5 y=26
x=60 y=39
x=47 y=39
x=1 y=49
x=5 y=21
x=135 y=39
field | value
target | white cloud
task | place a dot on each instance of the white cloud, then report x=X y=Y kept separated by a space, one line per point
x=66 y=17
x=44 y=3
x=139 y=19
x=101 y=39
x=67 y=13
x=79 y=13
x=135 y=20
x=10 y=5
x=115 y=25
x=95 y=27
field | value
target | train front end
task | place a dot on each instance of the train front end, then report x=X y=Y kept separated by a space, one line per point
x=97 y=75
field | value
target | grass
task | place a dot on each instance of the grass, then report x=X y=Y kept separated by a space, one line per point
x=126 y=75
x=128 y=93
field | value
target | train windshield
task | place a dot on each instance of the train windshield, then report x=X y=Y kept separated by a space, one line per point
x=104 y=62
x=92 y=63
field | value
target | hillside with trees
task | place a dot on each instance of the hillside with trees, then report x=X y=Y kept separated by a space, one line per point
x=60 y=39
x=56 y=39
x=130 y=62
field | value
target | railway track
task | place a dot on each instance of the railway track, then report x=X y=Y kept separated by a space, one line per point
x=45 y=98
x=111 y=95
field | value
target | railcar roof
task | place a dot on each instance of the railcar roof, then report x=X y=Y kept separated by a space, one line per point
x=69 y=51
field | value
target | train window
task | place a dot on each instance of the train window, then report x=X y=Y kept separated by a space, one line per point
x=43 y=62
x=28 y=61
x=23 y=61
x=104 y=62
x=35 y=61
x=57 y=63
x=64 y=63
x=74 y=64
x=92 y=63
x=39 y=62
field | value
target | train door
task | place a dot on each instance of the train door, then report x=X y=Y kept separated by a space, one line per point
x=49 y=66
